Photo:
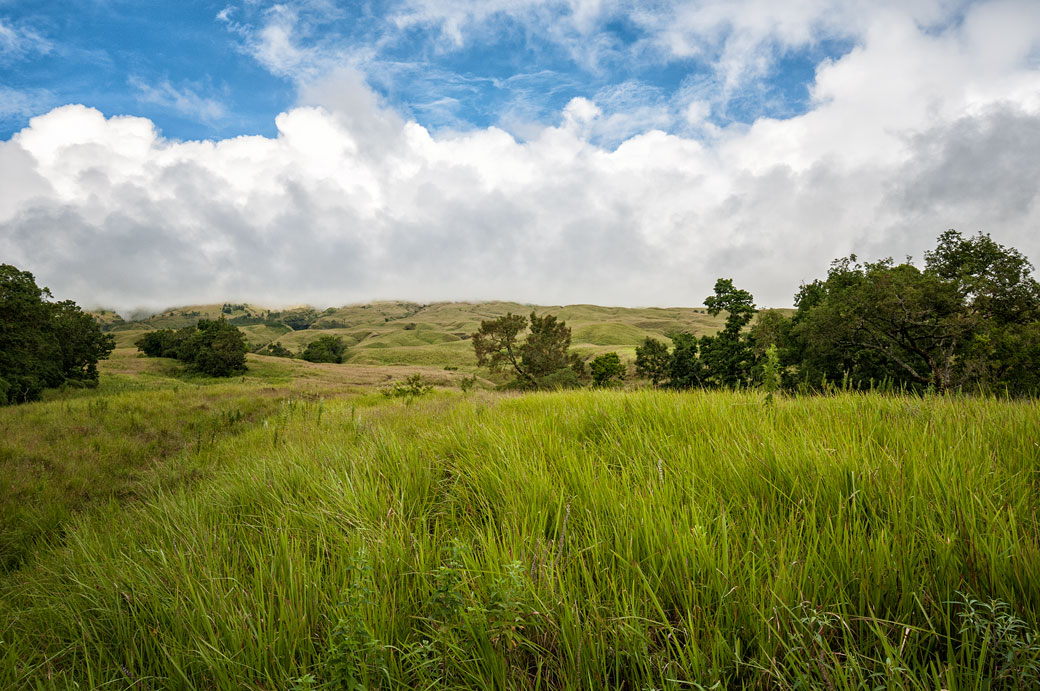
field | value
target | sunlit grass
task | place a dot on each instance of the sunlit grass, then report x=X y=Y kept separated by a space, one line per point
x=576 y=540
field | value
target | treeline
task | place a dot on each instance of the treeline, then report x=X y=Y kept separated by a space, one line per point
x=969 y=321
x=44 y=344
x=216 y=347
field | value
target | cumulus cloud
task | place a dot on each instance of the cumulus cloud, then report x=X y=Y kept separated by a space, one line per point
x=918 y=129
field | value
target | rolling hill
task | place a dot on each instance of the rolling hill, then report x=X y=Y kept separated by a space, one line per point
x=435 y=334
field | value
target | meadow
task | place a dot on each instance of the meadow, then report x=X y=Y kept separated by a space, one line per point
x=296 y=529
x=435 y=334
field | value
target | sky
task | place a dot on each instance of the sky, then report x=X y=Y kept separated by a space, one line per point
x=552 y=152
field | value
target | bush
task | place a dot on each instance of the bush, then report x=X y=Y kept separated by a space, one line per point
x=213 y=347
x=275 y=350
x=325 y=349
x=607 y=370
x=413 y=386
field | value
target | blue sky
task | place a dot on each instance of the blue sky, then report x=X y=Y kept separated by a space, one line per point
x=198 y=70
x=551 y=151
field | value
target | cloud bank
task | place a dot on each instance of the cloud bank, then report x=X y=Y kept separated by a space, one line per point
x=921 y=127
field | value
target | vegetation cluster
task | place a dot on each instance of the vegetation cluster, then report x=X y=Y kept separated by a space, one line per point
x=213 y=347
x=969 y=321
x=44 y=344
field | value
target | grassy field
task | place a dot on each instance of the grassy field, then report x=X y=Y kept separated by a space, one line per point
x=406 y=333
x=295 y=529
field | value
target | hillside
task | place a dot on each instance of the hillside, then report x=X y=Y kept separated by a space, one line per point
x=435 y=334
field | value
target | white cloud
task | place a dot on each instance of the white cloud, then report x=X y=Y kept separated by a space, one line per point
x=185 y=100
x=23 y=102
x=17 y=42
x=916 y=130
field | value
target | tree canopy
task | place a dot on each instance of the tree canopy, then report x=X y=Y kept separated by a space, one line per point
x=325 y=349
x=970 y=319
x=213 y=347
x=44 y=344
x=542 y=359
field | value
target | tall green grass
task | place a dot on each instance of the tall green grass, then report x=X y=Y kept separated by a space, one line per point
x=573 y=540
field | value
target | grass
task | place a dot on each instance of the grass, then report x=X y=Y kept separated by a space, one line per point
x=573 y=540
x=143 y=429
x=434 y=334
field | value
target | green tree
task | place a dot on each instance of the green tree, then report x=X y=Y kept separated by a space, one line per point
x=325 y=349
x=497 y=345
x=276 y=350
x=541 y=360
x=43 y=344
x=652 y=360
x=216 y=348
x=968 y=319
x=685 y=370
x=80 y=342
x=727 y=358
x=607 y=370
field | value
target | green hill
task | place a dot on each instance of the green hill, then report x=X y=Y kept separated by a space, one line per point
x=409 y=333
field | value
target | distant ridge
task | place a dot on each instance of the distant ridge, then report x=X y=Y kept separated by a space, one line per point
x=411 y=333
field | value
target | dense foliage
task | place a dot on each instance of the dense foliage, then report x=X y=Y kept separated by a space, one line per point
x=213 y=347
x=325 y=349
x=543 y=359
x=969 y=320
x=607 y=370
x=42 y=343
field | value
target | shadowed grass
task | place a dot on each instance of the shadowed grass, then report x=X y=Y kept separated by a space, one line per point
x=573 y=540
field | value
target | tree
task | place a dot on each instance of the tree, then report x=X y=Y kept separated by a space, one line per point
x=652 y=360
x=325 y=349
x=80 y=342
x=739 y=304
x=43 y=344
x=164 y=342
x=212 y=347
x=992 y=281
x=607 y=370
x=685 y=370
x=727 y=357
x=497 y=348
x=276 y=350
x=541 y=360
x=546 y=352
x=967 y=319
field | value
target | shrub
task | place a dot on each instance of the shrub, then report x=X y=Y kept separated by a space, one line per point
x=325 y=349
x=607 y=370
x=413 y=386
x=213 y=347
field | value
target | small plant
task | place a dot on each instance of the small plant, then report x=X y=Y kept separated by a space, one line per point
x=1004 y=645
x=505 y=608
x=305 y=683
x=447 y=601
x=467 y=383
x=356 y=659
x=771 y=373
x=414 y=386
